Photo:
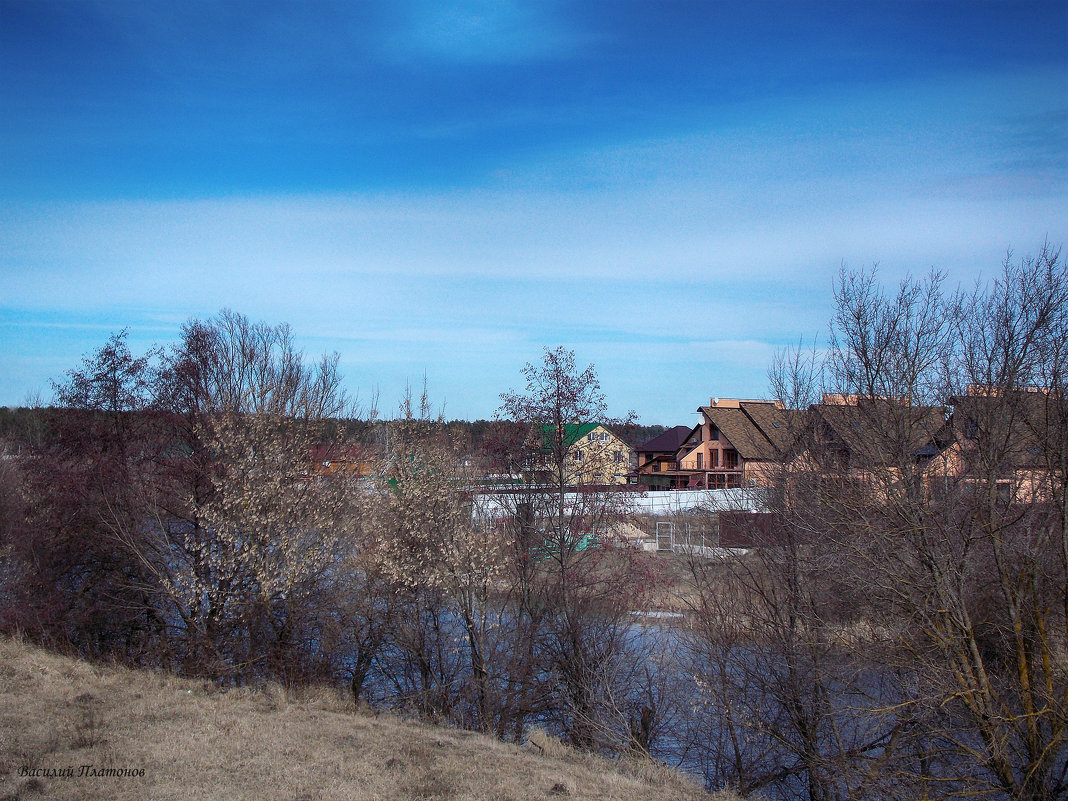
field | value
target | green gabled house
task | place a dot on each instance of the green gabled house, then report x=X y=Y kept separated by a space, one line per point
x=588 y=453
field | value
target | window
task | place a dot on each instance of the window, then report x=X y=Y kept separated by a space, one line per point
x=579 y=455
x=713 y=432
x=619 y=456
x=730 y=459
x=700 y=461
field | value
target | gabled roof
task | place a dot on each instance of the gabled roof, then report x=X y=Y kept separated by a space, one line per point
x=740 y=430
x=869 y=429
x=573 y=432
x=1021 y=422
x=773 y=422
x=758 y=430
x=668 y=442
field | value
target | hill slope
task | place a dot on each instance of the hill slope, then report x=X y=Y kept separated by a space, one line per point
x=150 y=736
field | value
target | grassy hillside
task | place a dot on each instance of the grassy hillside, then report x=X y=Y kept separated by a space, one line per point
x=150 y=736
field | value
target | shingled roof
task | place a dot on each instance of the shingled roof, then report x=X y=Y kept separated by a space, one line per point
x=668 y=442
x=746 y=428
x=1020 y=423
x=870 y=429
x=773 y=422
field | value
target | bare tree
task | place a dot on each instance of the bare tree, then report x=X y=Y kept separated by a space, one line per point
x=788 y=705
x=581 y=594
x=903 y=634
x=957 y=532
x=68 y=584
x=990 y=547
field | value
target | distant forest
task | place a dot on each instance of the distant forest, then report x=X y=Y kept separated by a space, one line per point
x=23 y=425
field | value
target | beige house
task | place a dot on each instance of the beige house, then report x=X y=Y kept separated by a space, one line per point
x=592 y=454
x=1010 y=440
x=736 y=444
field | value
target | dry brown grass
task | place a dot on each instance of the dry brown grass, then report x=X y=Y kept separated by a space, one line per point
x=194 y=742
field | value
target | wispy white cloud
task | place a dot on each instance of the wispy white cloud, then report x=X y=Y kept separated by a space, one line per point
x=692 y=254
x=376 y=260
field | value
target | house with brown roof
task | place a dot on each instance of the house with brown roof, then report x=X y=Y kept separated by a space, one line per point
x=746 y=443
x=852 y=442
x=736 y=444
x=861 y=435
x=1011 y=442
x=657 y=460
x=1008 y=443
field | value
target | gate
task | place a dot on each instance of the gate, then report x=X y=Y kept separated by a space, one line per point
x=665 y=536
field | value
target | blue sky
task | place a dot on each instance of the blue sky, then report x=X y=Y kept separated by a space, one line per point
x=445 y=188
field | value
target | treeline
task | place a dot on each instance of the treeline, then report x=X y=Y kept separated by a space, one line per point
x=24 y=426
